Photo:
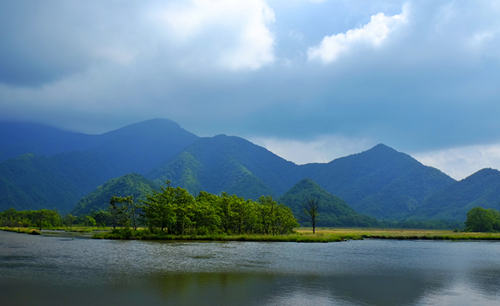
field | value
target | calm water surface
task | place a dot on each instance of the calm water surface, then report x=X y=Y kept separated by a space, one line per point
x=42 y=270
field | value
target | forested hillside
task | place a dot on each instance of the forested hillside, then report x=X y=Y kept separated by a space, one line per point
x=134 y=185
x=380 y=182
x=332 y=211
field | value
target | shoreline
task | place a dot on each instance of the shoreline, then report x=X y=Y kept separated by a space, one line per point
x=301 y=235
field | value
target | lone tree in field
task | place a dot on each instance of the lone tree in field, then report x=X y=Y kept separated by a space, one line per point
x=123 y=211
x=311 y=210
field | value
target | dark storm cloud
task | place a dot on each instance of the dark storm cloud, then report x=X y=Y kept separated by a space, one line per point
x=432 y=82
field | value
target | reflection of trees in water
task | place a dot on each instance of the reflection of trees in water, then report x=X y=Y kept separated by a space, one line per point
x=277 y=289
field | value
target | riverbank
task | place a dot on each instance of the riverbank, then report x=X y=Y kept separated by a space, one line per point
x=306 y=235
x=300 y=235
x=23 y=230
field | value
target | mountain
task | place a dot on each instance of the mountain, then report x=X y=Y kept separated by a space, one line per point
x=138 y=147
x=143 y=146
x=332 y=211
x=230 y=164
x=380 y=182
x=20 y=138
x=128 y=185
x=58 y=181
x=452 y=203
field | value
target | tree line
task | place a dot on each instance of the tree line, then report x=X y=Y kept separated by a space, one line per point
x=172 y=210
x=42 y=218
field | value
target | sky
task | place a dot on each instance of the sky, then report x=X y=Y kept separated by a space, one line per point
x=310 y=80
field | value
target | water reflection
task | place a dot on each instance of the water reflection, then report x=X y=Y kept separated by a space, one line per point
x=38 y=270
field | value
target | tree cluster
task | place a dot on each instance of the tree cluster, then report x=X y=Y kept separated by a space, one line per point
x=174 y=210
x=42 y=218
x=482 y=220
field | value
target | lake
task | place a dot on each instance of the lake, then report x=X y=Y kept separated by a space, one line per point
x=48 y=270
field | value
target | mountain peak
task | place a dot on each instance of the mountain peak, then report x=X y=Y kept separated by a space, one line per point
x=485 y=172
x=306 y=183
x=155 y=125
x=381 y=148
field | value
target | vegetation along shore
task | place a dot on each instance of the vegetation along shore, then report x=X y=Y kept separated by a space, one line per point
x=174 y=214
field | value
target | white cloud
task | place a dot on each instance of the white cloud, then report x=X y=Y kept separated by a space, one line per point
x=461 y=162
x=238 y=30
x=321 y=149
x=372 y=34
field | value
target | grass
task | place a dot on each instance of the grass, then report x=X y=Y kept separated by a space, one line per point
x=24 y=230
x=146 y=235
x=300 y=235
x=400 y=234
x=306 y=235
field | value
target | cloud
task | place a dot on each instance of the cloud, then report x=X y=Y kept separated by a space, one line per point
x=460 y=162
x=372 y=34
x=321 y=149
x=237 y=30
x=242 y=68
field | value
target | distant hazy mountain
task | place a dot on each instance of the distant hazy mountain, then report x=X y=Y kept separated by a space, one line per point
x=20 y=138
x=230 y=164
x=134 y=148
x=332 y=211
x=380 y=182
x=128 y=185
x=452 y=203
x=143 y=146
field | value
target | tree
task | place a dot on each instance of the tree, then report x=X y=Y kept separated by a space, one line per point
x=89 y=221
x=120 y=211
x=102 y=217
x=159 y=209
x=69 y=219
x=311 y=210
x=482 y=220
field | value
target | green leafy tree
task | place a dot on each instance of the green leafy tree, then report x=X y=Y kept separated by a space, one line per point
x=69 y=220
x=159 y=209
x=206 y=217
x=120 y=211
x=482 y=220
x=102 y=217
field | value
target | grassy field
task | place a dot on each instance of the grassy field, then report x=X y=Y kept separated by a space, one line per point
x=24 y=230
x=321 y=235
x=300 y=235
x=398 y=234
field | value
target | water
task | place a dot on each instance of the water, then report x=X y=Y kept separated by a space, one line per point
x=42 y=270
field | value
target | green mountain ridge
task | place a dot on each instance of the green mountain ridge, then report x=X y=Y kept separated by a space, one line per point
x=58 y=181
x=128 y=185
x=380 y=182
x=332 y=211
x=452 y=203
x=227 y=164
